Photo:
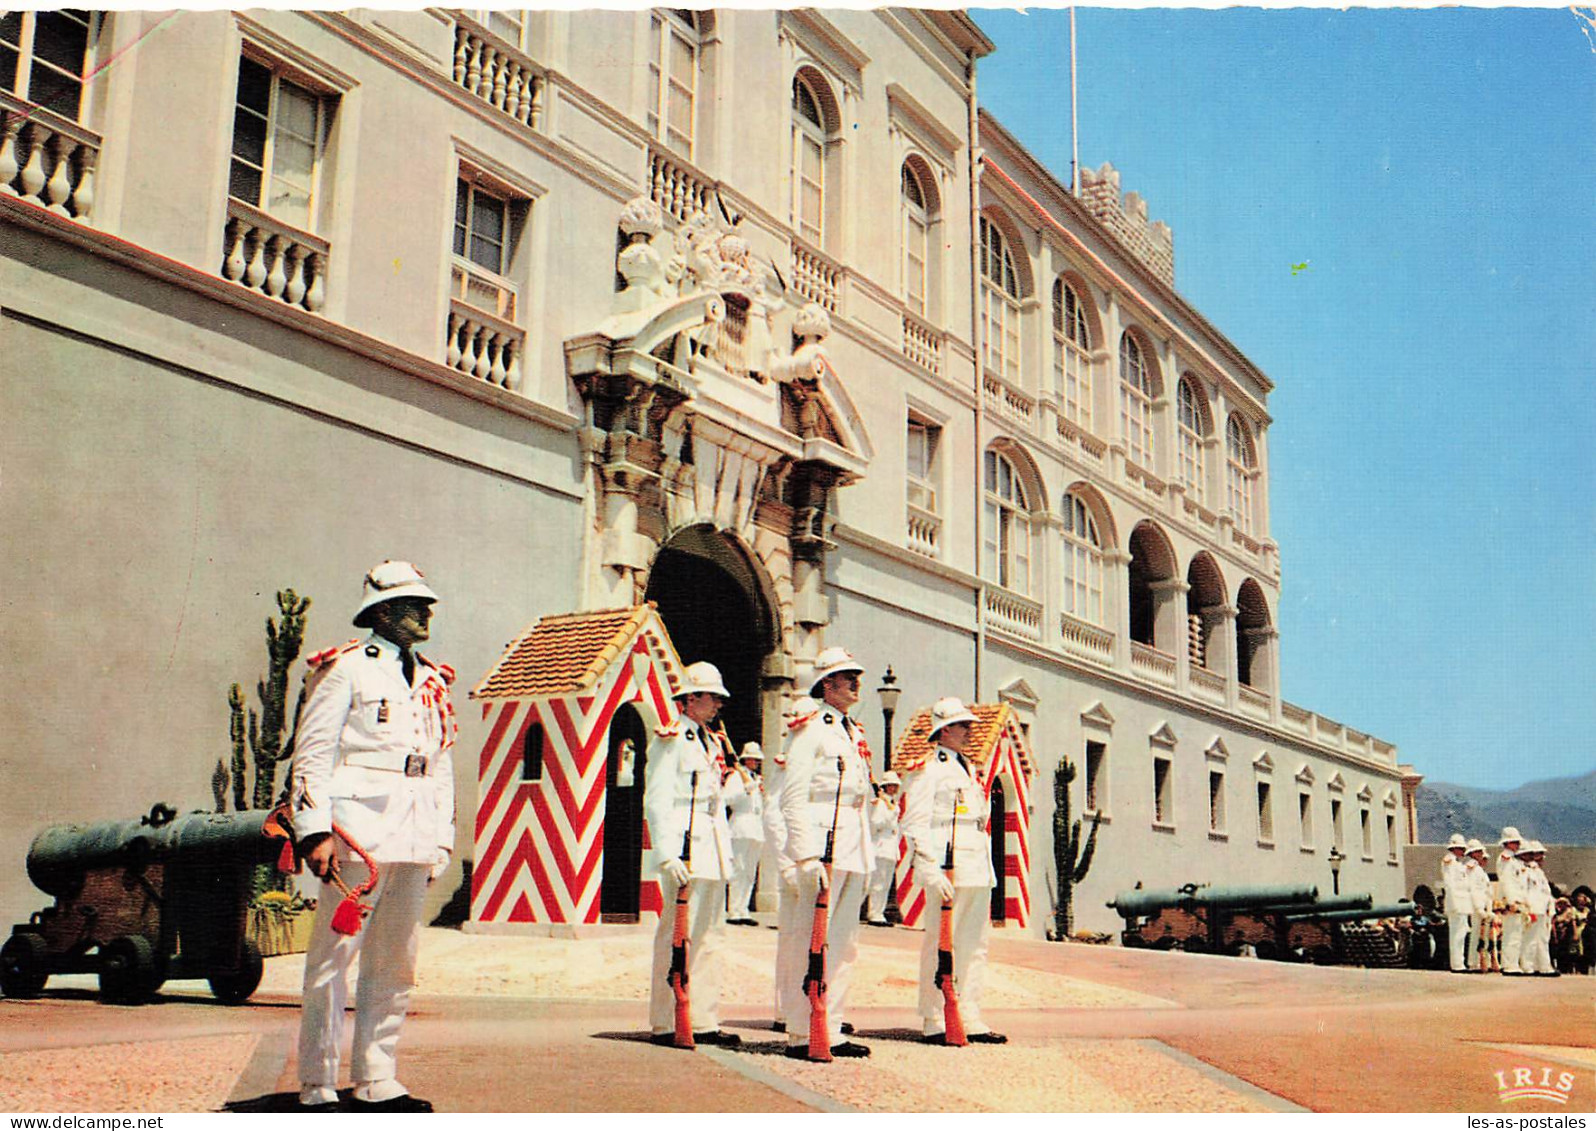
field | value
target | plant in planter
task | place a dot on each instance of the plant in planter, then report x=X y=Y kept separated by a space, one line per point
x=1070 y=860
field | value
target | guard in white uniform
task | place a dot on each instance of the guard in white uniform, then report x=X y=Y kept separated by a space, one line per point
x=373 y=756
x=792 y=924
x=745 y=811
x=944 y=803
x=1480 y=889
x=1510 y=881
x=1459 y=901
x=884 y=834
x=825 y=794
x=1537 y=953
x=685 y=808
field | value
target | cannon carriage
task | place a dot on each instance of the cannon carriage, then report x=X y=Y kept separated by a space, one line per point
x=141 y=901
x=1276 y=921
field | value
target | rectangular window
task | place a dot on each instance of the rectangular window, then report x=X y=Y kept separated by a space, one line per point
x=279 y=129
x=673 y=78
x=481 y=228
x=42 y=56
x=1305 y=819
x=1335 y=825
x=922 y=451
x=1266 y=814
x=1390 y=836
x=1216 y=801
x=1096 y=783
x=1367 y=831
x=1163 y=793
x=509 y=24
x=1002 y=333
x=811 y=178
x=915 y=241
x=532 y=753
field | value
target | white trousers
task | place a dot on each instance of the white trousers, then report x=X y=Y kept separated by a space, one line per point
x=1536 y=957
x=1512 y=942
x=387 y=946
x=842 y=948
x=972 y=921
x=880 y=882
x=792 y=945
x=706 y=930
x=745 y=864
x=1457 y=935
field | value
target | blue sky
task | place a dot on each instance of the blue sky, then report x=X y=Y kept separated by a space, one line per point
x=1433 y=486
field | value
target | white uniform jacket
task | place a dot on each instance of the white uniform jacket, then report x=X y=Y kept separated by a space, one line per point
x=682 y=780
x=1455 y=883
x=1538 y=891
x=375 y=755
x=1479 y=887
x=812 y=794
x=1510 y=878
x=745 y=805
x=944 y=792
x=884 y=828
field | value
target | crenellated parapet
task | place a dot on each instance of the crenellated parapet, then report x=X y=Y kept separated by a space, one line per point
x=1126 y=219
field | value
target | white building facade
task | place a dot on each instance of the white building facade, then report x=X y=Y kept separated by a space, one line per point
x=753 y=314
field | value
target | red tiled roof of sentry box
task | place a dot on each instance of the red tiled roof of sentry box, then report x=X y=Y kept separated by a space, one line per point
x=567 y=654
x=991 y=719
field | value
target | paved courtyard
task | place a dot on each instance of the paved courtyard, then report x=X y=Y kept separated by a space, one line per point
x=507 y=1023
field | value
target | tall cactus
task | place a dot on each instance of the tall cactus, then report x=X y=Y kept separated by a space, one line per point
x=265 y=729
x=1066 y=842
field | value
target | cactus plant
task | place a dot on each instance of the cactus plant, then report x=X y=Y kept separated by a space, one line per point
x=1066 y=844
x=264 y=731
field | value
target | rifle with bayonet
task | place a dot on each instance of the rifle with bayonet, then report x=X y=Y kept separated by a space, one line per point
x=815 y=978
x=952 y=1019
x=677 y=975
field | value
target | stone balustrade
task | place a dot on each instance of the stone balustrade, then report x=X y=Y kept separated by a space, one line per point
x=1208 y=686
x=482 y=346
x=1018 y=406
x=1252 y=701
x=1201 y=515
x=1152 y=664
x=1088 y=641
x=266 y=255
x=1153 y=485
x=1014 y=614
x=46 y=158
x=922 y=344
x=675 y=186
x=1073 y=435
x=816 y=277
x=488 y=68
x=924 y=531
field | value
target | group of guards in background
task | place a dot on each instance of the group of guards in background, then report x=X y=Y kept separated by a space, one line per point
x=835 y=832
x=1516 y=925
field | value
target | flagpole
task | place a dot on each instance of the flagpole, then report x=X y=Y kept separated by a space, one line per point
x=1075 y=127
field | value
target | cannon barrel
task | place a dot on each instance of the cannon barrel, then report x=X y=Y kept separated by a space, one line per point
x=1334 y=903
x=1235 y=896
x=1147 y=901
x=1384 y=911
x=61 y=854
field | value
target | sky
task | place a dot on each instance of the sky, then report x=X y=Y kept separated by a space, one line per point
x=1432 y=479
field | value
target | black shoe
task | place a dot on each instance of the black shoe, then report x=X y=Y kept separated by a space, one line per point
x=778 y=1026
x=397 y=1103
x=849 y=1049
x=847 y=1028
x=717 y=1037
x=988 y=1039
x=796 y=1052
x=331 y=1105
x=934 y=1039
x=877 y=923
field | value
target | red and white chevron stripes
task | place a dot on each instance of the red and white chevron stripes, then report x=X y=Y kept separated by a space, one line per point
x=1004 y=765
x=540 y=844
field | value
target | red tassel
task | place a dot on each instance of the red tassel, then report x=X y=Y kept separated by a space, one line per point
x=287 y=862
x=349 y=916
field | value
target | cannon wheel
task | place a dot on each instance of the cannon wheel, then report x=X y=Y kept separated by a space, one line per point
x=127 y=970
x=22 y=972
x=233 y=987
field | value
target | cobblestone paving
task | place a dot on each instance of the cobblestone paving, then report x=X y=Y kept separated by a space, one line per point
x=193 y=1074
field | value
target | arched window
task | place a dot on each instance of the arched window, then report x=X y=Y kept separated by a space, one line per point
x=809 y=138
x=1007 y=535
x=1193 y=426
x=673 y=77
x=1239 y=472
x=1072 y=346
x=1083 y=562
x=916 y=241
x=1000 y=303
x=1135 y=402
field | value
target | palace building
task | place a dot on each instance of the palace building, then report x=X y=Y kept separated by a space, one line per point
x=652 y=336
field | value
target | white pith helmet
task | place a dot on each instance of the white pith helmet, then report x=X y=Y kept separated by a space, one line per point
x=945 y=712
x=890 y=778
x=832 y=661
x=1456 y=841
x=752 y=750
x=702 y=676
x=1475 y=846
x=1510 y=834
x=388 y=582
x=1535 y=848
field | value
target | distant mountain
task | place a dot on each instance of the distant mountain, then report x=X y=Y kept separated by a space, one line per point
x=1556 y=811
